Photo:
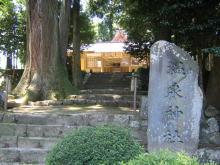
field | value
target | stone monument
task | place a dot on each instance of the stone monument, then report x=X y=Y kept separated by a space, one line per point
x=174 y=100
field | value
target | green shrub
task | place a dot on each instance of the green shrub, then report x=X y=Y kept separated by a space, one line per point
x=164 y=158
x=106 y=145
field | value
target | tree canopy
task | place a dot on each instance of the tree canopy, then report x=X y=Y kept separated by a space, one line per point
x=193 y=24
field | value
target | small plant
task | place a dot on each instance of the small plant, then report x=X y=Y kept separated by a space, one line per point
x=106 y=145
x=165 y=157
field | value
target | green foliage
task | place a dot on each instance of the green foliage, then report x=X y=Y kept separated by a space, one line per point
x=164 y=158
x=108 y=11
x=105 y=145
x=103 y=33
x=192 y=24
x=87 y=31
x=12 y=29
x=143 y=77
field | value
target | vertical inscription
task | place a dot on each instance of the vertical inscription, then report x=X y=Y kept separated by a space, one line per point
x=173 y=113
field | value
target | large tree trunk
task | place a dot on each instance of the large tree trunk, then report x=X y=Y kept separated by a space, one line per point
x=76 y=64
x=44 y=76
x=213 y=88
x=64 y=28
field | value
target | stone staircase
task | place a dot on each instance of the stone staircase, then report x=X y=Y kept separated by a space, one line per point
x=104 y=97
x=107 y=89
x=26 y=138
x=109 y=80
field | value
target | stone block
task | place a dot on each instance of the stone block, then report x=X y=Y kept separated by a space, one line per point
x=12 y=129
x=206 y=155
x=33 y=156
x=9 y=155
x=3 y=101
x=1 y=117
x=144 y=107
x=212 y=126
x=121 y=120
x=8 y=118
x=8 y=141
x=37 y=142
x=97 y=119
x=31 y=119
x=134 y=124
x=211 y=111
x=210 y=132
x=45 y=130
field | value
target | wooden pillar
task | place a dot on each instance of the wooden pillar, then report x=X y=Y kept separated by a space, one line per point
x=85 y=61
x=102 y=59
x=129 y=63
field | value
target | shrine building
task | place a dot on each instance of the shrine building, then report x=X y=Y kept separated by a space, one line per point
x=108 y=56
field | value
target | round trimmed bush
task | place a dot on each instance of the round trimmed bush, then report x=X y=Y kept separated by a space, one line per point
x=106 y=145
x=164 y=158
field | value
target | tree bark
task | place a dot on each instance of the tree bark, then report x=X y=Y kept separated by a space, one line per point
x=213 y=87
x=76 y=64
x=44 y=76
x=64 y=28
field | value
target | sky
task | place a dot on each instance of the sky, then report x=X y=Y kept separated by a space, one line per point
x=2 y=61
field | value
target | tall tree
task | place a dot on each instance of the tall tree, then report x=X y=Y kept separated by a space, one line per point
x=45 y=76
x=182 y=22
x=108 y=11
x=76 y=64
x=64 y=28
x=87 y=30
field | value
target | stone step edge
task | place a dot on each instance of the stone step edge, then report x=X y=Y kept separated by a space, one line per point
x=28 y=142
x=38 y=125
x=23 y=130
x=104 y=97
x=18 y=163
x=110 y=91
x=23 y=149
x=25 y=156
x=31 y=138
x=57 y=119
x=74 y=101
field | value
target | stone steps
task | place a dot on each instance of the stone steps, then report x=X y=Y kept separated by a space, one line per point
x=110 y=97
x=27 y=142
x=26 y=138
x=19 y=155
x=125 y=91
x=108 y=80
x=109 y=101
x=29 y=130
x=84 y=101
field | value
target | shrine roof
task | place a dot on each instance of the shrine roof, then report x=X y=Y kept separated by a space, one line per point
x=105 y=47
